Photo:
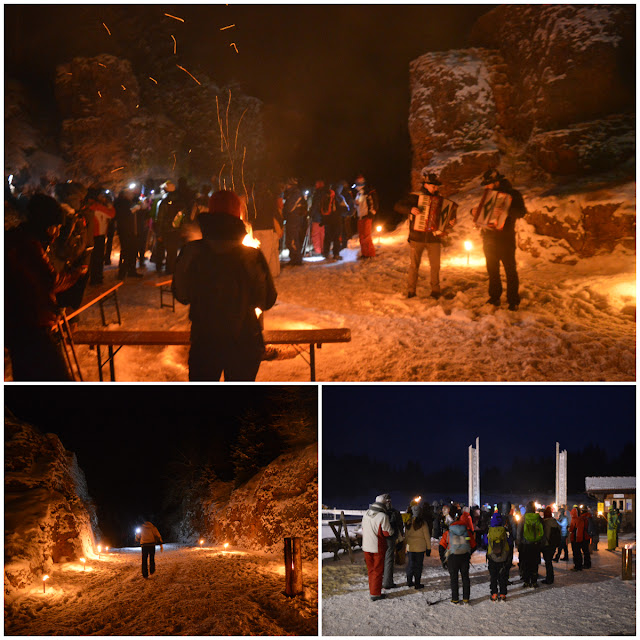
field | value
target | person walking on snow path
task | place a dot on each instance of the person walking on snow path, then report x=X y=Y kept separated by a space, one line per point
x=376 y=527
x=148 y=536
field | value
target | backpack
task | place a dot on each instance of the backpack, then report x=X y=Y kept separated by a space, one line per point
x=533 y=530
x=554 y=537
x=498 y=547
x=458 y=540
x=328 y=203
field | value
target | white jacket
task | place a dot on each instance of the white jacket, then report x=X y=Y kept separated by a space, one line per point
x=374 y=522
x=148 y=534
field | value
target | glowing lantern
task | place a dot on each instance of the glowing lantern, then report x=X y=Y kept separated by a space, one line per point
x=44 y=583
x=201 y=542
x=517 y=517
x=417 y=499
x=107 y=549
x=467 y=247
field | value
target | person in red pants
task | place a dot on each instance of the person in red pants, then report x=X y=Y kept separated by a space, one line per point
x=366 y=208
x=376 y=527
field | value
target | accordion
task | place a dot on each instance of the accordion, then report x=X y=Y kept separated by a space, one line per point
x=435 y=213
x=493 y=209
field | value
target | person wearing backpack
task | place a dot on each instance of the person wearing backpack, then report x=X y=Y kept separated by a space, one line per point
x=459 y=543
x=550 y=542
x=224 y=282
x=529 y=540
x=418 y=539
x=563 y=522
x=498 y=553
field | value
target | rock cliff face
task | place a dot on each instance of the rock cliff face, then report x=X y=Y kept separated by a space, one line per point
x=280 y=501
x=548 y=95
x=49 y=516
x=549 y=87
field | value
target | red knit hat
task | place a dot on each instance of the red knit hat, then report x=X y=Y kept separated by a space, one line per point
x=548 y=513
x=225 y=202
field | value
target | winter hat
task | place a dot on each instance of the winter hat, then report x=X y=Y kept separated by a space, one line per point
x=496 y=520
x=225 y=202
x=415 y=511
x=44 y=211
x=383 y=498
x=430 y=177
x=548 y=513
x=490 y=176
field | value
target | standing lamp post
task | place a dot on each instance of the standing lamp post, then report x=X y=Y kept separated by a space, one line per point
x=293 y=566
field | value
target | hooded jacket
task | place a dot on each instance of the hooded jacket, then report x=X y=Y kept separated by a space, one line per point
x=418 y=540
x=577 y=529
x=548 y=524
x=148 y=534
x=224 y=282
x=375 y=526
x=563 y=521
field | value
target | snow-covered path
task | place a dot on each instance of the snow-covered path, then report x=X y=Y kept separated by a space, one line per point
x=592 y=602
x=193 y=592
x=575 y=323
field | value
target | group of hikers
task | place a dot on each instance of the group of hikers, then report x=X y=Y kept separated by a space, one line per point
x=390 y=537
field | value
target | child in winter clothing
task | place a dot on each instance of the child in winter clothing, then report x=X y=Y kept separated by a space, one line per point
x=498 y=552
x=418 y=539
x=550 y=542
x=529 y=539
x=459 y=543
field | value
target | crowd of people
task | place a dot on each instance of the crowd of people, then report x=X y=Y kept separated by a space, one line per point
x=67 y=234
x=390 y=537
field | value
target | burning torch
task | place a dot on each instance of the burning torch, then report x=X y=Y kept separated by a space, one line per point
x=467 y=247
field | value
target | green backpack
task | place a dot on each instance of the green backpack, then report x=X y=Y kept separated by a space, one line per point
x=498 y=547
x=533 y=530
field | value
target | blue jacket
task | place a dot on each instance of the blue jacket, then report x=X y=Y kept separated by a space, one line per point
x=563 y=521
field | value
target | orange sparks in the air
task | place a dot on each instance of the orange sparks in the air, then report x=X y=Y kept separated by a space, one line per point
x=174 y=162
x=102 y=65
x=123 y=87
x=118 y=169
x=107 y=28
x=174 y=17
x=153 y=80
x=175 y=45
x=183 y=69
x=99 y=94
x=229 y=27
x=233 y=44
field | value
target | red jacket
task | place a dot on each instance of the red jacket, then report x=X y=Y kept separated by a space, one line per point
x=578 y=527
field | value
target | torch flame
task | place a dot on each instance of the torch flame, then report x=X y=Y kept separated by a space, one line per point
x=467 y=245
x=250 y=241
x=45 y=578
x=225 y=545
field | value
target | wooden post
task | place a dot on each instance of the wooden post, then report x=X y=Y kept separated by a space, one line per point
x=627 y=564
x=346 y=533
x=293 y=566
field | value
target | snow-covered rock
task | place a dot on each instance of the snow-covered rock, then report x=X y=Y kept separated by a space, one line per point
x=280 y=501
x=49 y=515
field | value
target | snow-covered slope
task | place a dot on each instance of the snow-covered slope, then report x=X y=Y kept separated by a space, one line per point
x=48 y=514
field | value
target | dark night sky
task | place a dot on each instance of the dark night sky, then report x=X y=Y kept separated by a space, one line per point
x=436 y=424
x=339 y=72
x=123 y=436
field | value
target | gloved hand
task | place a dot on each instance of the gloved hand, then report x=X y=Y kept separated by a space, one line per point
x=428 y=552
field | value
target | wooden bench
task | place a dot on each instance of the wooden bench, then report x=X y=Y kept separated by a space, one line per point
x=120 y=338
x=101 y=298
x=334 y=546
x=165 y=290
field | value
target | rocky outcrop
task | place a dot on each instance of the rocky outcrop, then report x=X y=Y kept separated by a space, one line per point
x=548 y=88
x=280 y=501
x=49 y=516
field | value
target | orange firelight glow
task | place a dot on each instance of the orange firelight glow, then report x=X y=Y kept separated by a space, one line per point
x=225 y=545
x=201 y=541
x=467 y=245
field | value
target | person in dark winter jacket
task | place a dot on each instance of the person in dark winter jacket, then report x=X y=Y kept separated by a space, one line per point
x=295 y=215
x=459 y=542
x=500 y=245
x=148 y=536
x=418 y=537
x=498 y=554
x=375 y=529
x=332 y=220
x=224 y=282
x=31 y=284
x=346 y=206
x=550 y=542
x=563 y=522
x=529 y=541
x=170 y=218
x=421 y=239
x=395 y=518
x=128 y=233
x=585 y=517
x=319 y=208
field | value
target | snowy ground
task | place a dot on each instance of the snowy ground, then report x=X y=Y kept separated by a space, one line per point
x=575 y=323
x=194 y=592
x=592 y=602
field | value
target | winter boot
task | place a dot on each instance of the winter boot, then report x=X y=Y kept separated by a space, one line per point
x=503 y=598
x=380 y=597
x=494 y=597
x=419 y=586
